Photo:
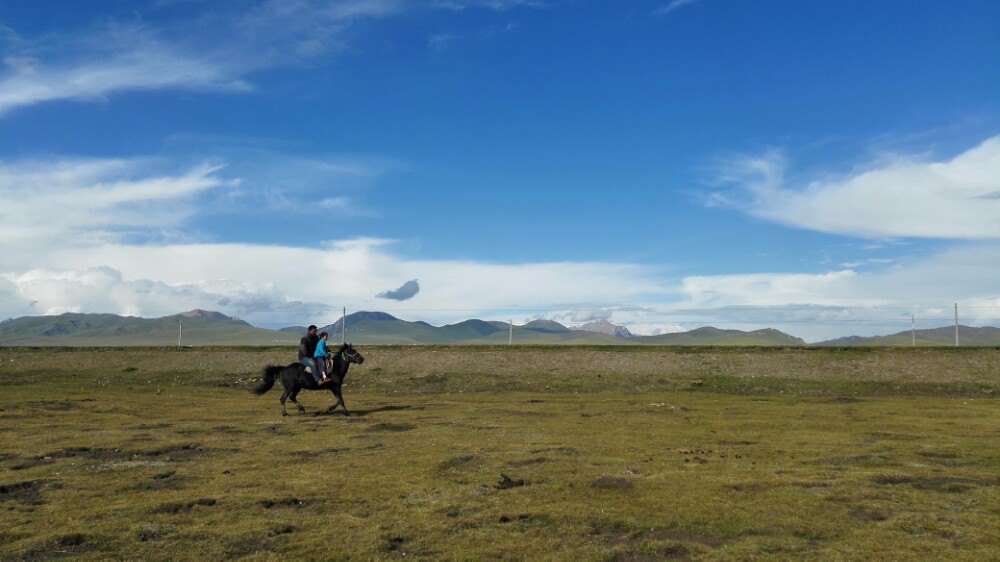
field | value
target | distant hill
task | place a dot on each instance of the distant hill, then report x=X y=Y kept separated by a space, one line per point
x=716 y=336
x=605 y=327
x=200 y=327
x=967 y=335
x=382 y=328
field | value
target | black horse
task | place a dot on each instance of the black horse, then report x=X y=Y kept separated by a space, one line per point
x=295 y=378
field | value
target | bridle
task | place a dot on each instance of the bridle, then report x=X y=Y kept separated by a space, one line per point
x=350 y=356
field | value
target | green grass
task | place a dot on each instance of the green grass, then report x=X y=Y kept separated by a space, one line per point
x=624 y=455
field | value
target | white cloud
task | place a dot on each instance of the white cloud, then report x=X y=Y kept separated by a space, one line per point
x=284 y=31
x=71 y=203
x=497 y=5
x=100 y=65
x=674 y=5
x=94 y=235
x=104 y=289
x=216 y=50
x=898 y=196
x=823 y=305
x=344 y=272
x=962 y=273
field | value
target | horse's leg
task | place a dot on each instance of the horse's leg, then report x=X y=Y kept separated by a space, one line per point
x=333 y=408
x=284 y=395
x=292 y=396
x=340 y=400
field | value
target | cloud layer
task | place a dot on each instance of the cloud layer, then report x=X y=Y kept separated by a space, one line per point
x=897 y=196
x=82 y=202
x=219 y=50
x=113 y=246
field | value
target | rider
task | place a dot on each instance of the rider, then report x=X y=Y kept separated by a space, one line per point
x=323 y=353
x=307 y=348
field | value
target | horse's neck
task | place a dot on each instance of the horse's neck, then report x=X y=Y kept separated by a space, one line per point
x=340 y=365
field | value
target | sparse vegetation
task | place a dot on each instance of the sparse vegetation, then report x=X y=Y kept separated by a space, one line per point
x=473 y=453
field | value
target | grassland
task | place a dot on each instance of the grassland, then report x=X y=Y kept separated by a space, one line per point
x=610 y=454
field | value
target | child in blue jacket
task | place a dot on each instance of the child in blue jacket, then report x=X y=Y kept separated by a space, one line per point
x=322 y=354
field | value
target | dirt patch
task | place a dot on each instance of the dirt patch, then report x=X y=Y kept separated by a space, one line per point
x=694 y=451
x=895 y=436
x=175 y=453
x=227 y=429
x=611 y=483
x=163 y=481
x=856 y=460
x=28 y=492
x=811 y=484
x=395 y=544
x=148 y=426
x=185 y=507
x=506 y=483
x=937 y=455
x=527 y=462
x=31 y=463
x=933 y=483
x=696 y=538
x=66 y=546
x=128 y=458
x=559 y=450
x=54 y=405
x=319 y=453
x=619 y=534
x=751 y=486
x=151 y=532
x=242 y=547
x=456 y=462
x=671 y=552
x=867 y=516
x=393 y=427
x=284 y=502
x=615 y=534
x=283 y=530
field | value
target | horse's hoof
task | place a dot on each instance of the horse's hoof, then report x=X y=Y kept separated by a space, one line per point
x=283 y=414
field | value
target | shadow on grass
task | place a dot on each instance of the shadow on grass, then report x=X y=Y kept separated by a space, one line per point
x=365 y=412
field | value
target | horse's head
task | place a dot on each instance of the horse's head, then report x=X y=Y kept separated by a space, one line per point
x=350 y=354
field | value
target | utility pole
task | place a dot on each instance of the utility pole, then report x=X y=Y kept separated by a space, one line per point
x=510 y=334
x=913 y=329
x=956 y=324
x=343 y=325
x=180 y=331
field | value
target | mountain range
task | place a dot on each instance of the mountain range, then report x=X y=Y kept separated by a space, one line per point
x=197 y=327
x=201 y=327
x=967 y=335
x=604 y=327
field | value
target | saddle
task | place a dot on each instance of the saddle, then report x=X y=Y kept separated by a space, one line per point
x=309 y=369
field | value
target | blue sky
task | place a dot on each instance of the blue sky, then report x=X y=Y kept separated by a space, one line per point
x=573 y=160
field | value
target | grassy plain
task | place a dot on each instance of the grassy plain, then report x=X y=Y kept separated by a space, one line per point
x=609 y=454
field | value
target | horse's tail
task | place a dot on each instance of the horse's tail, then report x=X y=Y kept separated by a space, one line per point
x=270 y=374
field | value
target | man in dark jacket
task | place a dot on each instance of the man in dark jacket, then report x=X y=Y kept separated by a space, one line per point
x=307 y=348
